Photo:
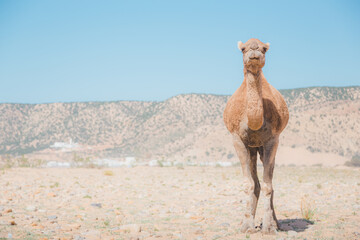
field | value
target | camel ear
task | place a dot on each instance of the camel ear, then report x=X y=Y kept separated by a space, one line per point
x=240 y=45
x=267 y=46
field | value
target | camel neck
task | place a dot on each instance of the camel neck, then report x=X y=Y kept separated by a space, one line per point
x=255 y=110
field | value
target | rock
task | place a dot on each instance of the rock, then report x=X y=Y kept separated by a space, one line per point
x=39 y=227
x=292 y=233
x=8 y=211
x=52 y=217
x=146 y=235
x=78 y=237
x=10 y=235
x=71 y=227
x=92 y=234
x=225 y=225
x=75 y=226
x=179 y=235
x=51 y=194
x=132 y=228
x=98 y=205
x=31 y=208
x=12 y=222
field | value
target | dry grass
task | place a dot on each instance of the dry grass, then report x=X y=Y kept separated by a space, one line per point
x=108 y=173
x=308 y=208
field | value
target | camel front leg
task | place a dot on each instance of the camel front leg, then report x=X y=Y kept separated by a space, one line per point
x=247 y=158
x=270 y=223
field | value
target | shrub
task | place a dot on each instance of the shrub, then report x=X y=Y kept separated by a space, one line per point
x=160 y=163
x=354 y=162
x=230 y=155
x=313 y=149
x=307 y=208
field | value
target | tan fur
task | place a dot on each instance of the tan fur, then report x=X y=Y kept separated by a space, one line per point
x=256 y=114
x=270 y=106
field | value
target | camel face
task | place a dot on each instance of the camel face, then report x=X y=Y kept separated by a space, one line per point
x=253 y=54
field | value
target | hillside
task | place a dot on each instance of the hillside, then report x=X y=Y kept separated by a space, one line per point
x=189 y=126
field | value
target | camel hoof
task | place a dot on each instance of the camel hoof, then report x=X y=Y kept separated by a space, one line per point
x=251 y=230
x=270 y=230
x=248 y=227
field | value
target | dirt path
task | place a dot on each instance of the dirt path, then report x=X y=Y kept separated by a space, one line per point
x=172 y=203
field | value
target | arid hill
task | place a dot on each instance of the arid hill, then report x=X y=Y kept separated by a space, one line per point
x=189 y=126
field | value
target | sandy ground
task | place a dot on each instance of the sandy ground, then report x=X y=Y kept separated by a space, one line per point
x=301 y=157
x=172 y=203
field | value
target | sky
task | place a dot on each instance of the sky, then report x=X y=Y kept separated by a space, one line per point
x=68 y=51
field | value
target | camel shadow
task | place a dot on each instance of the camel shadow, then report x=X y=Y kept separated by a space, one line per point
x=296 y=224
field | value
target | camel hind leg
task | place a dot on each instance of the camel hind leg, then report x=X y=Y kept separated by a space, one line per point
x=248 y=158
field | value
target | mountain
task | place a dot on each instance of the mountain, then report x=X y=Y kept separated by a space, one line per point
x=184 y=127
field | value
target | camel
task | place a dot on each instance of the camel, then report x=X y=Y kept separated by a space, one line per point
x=255 y=115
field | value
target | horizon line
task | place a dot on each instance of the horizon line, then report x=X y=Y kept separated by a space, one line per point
x=149 y=101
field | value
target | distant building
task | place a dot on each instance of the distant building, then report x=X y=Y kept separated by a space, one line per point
x=64 y=145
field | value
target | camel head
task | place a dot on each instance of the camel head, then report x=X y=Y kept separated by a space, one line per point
x=253 y=54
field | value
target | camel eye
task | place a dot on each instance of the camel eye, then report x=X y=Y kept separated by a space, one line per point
x=243 y=49
x=265 y=49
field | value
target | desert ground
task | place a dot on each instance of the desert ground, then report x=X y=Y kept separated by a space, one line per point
x=173 y=203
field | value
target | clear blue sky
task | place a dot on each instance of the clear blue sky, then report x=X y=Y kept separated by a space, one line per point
x=62 y=51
